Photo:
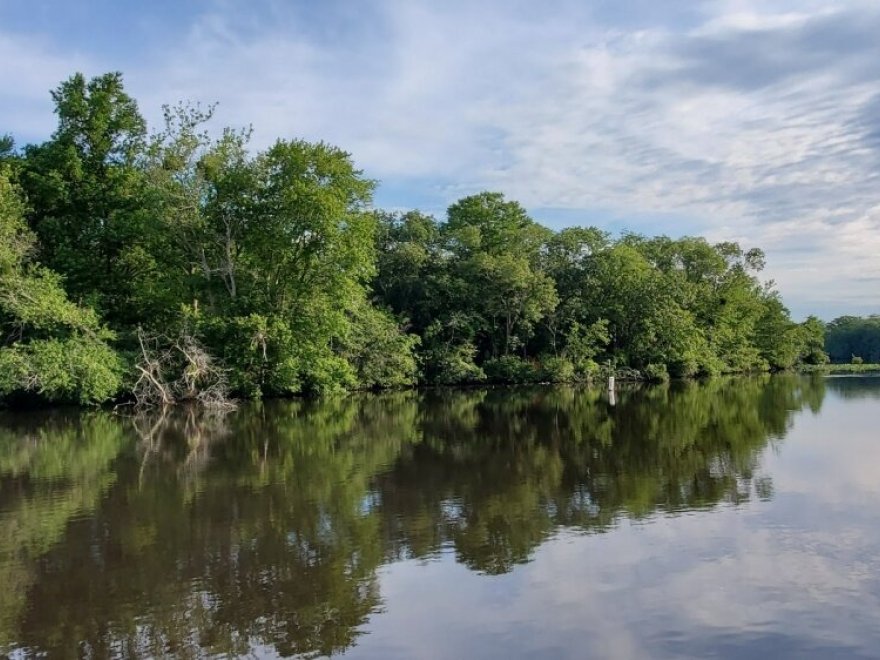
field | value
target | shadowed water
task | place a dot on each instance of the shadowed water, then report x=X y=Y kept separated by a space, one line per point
x=735 y=519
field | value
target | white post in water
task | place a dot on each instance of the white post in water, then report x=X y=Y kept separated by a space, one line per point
x=610 y=383
x=611 y=398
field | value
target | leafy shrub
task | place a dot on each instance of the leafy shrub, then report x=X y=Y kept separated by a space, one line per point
x=76 y=370
x=857 y=360
x=657 y=373
x=558 y=370
x=452 y=365
x=58 y=349
x=328 y=374
x=381 y=354
x=686 y=367
x=267 y=356
x=257 y=350
x=511 y=369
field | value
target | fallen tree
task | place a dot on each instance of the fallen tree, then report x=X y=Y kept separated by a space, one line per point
x=178 y=370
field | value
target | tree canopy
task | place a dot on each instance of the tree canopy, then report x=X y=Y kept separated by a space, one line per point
x=276 y=265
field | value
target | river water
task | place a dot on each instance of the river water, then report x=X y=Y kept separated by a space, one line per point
x=735 y=518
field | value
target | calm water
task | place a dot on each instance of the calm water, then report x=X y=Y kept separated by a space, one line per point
x=734 y=519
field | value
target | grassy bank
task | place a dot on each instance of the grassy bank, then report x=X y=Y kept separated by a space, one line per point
x=840 y=368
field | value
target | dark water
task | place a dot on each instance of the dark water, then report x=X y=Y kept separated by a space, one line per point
x=734 y=519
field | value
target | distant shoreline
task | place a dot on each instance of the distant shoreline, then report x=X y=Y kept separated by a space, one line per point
x=840 y=369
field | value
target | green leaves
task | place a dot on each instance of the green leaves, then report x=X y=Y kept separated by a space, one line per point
x=381 y=354
x=77 y=369
x=49 y=346
x=852 y=336
x=289 y=278
x=516 y=288
x=87 y=195
x=271 y=252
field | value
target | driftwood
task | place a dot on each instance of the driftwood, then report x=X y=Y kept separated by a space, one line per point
x=178 y=370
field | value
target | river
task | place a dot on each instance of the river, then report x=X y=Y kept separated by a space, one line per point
x=736 y=518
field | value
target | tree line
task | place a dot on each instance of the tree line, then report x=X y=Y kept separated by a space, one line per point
x=170 y=263
x=853 y=339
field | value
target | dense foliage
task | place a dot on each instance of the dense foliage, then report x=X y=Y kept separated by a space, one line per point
x=277 y=268
x=851 y=339
x=51 y=345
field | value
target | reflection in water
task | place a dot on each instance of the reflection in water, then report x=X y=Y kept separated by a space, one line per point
x=855 y=387
x=51 y=471
x=264 y=528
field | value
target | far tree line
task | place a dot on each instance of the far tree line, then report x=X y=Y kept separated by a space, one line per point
x=853 y=339
x=168 y=264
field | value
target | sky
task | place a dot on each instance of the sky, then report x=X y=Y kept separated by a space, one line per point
x=749 y=120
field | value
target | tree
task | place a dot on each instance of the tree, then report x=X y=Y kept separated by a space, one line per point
x=847 y=336
x=568 y=258
x=86 y=193
x=514 y=297
x=780 y=340
x=409 y=261
x=276 y=266
x=813 y=341
x=488 y=223
x=380 y=353
x=7 y=148
x=49 y=346
x=495 y=271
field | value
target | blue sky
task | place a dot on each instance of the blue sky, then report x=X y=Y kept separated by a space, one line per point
x=748 y=120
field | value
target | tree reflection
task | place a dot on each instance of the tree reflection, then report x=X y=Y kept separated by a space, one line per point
x=267 y=526
x=53 y=468
x=525 y=464
x=854 y=387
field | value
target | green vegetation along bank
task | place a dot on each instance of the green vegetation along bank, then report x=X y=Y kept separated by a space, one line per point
x=170 y=265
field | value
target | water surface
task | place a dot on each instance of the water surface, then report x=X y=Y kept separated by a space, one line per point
x=733 y=519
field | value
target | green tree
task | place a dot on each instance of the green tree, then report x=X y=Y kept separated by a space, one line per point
x=568 y=258
x=276 y=263
x=381 y=354
x=86 y=194
x=813 y=341
x=847 y=336
x=495 y=269
x=409 y=262
x=49 y=346
x=782 y=342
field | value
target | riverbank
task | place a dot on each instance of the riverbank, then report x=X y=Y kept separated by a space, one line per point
x=835 y=369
